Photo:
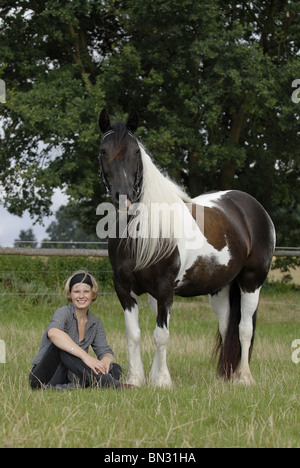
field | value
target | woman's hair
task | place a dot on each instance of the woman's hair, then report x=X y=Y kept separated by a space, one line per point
x=85 y=278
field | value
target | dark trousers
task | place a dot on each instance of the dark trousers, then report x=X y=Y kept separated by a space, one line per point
x=54 y=367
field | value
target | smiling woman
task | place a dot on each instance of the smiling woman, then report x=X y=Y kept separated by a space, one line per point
x=84 y=278
x=63 y=361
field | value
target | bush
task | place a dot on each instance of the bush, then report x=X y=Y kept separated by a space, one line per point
x=37 y=274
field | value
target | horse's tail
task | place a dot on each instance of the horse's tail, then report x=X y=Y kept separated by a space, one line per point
x=230 y=350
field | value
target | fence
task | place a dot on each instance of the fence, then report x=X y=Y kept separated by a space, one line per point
x=13 y=282
x=53 y=252
x=287 y=252
x=279 y=252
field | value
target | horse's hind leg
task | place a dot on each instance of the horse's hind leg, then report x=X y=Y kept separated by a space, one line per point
x=249 y=304
x=235 y=310
x=221 y=306
x=220 y=303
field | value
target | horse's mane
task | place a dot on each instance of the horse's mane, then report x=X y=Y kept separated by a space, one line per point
x=159 y=216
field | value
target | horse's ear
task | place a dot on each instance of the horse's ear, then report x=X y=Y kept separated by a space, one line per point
x=104 y=121
x=133 y=121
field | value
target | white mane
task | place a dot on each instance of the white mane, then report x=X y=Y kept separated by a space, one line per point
x=158 y=215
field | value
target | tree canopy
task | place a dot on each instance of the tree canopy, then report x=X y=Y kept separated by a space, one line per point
x=211 y=81
x=68 y=231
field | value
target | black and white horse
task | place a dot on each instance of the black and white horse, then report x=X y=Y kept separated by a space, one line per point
x=167 y=244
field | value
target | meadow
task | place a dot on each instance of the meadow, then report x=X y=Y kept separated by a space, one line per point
x=199 y=411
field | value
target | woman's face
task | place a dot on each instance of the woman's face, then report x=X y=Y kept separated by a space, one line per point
x=81 y=296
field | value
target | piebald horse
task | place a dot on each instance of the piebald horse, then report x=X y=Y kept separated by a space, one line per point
x=167 y=244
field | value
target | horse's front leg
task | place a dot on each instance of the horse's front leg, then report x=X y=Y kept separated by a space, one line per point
x=160 y=375
x=136 y=374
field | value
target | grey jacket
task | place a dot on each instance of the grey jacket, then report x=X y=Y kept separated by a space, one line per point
x=65 y=319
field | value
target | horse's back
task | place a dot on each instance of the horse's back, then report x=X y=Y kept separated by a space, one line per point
x=248 y=212
x=234 y=224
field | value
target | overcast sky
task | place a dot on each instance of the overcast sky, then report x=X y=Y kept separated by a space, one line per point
x=10 y=225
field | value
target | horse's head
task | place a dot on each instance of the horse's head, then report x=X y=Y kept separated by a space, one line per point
x=120 y=160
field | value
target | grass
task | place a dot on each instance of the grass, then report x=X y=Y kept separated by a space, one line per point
x=199 y=411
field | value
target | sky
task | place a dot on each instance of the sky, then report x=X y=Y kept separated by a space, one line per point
x=10 y=225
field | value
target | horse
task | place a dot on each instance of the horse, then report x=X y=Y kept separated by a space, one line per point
x=219 y=244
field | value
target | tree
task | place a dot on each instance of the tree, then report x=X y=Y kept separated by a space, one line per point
x=218 y=94
x=26 y=239
x=50 y=55
x=210 y=79
x=68 y=228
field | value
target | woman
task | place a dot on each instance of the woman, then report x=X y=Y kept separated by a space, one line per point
x=63 y=361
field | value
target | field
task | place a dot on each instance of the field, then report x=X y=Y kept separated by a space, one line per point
x=199 y=411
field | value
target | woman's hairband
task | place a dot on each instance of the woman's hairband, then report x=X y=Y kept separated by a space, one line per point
x=81 y=278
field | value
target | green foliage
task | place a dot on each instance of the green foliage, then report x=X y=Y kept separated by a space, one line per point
x=211 y=80
x=47 y=275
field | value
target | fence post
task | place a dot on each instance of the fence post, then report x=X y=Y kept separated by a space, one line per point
x=2 y=352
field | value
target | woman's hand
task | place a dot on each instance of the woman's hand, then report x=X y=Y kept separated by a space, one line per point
x=98 y=367
x=106 y=362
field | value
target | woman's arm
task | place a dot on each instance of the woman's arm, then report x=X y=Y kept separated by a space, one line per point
x=101 y=348
x=62 y=340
